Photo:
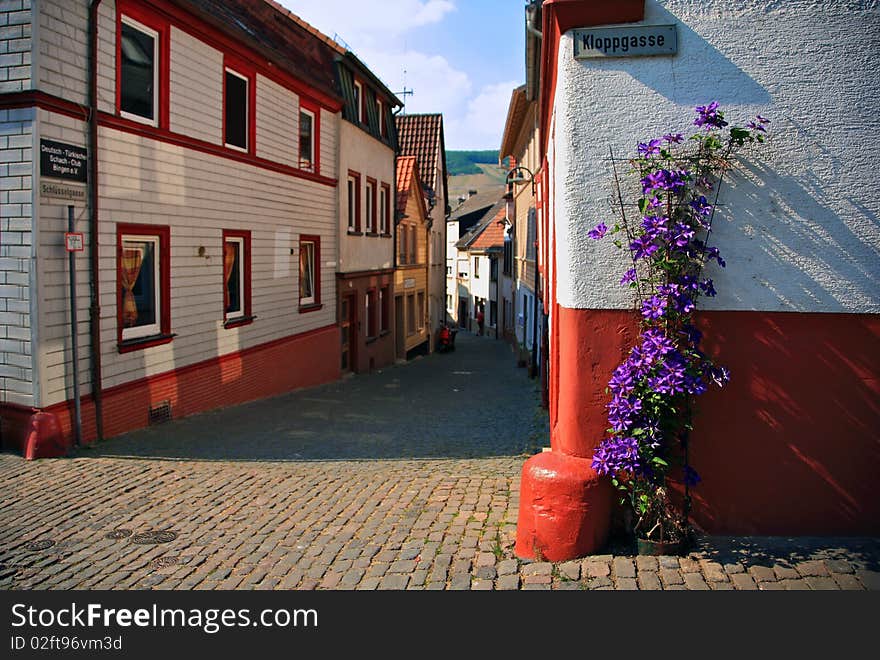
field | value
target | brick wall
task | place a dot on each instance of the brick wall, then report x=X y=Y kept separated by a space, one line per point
x=268 y=370
x=16 y=183
x=15 y=45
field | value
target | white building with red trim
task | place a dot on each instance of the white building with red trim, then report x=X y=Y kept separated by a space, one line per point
x=199 y=144
x=790 y=446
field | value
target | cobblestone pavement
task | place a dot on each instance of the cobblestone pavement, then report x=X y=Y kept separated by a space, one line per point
x=407 y=478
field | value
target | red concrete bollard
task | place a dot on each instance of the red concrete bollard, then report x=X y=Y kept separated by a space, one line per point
x=44 y=438
x=565 y=508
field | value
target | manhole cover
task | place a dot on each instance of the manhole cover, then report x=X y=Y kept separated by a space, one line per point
x=148 y=538
x=118 y=534
x=162 y=562
x=40 y=544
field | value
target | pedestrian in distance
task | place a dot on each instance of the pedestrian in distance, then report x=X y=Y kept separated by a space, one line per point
x=480 y=320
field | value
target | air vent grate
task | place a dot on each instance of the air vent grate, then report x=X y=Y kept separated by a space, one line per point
x=160 y=413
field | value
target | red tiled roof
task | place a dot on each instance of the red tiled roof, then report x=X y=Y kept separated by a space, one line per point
x=492 y=234
x=407 y=168
x=422 y=136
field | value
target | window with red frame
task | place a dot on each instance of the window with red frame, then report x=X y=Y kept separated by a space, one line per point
x=237 y=109
x=309 y=136
x=143 y=282
x=372 y=223
x=354 y=201
x=142 y=67
x=236 y=276
x=309 y=271
x=385 y=209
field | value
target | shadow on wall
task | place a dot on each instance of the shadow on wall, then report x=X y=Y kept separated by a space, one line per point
x=792 y=444
x=801 y=245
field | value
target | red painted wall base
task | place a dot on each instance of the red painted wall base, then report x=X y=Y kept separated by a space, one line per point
x=565 y=508
x=791 y=446
x=304 y=360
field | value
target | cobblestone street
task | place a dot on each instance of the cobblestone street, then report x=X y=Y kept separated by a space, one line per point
x=407 y=478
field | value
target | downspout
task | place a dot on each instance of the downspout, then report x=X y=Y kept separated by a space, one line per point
x=94 y=307
x=531 y=19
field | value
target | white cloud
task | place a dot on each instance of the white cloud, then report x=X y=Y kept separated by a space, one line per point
x=437 y=86
x=481 y=125
x=363 y=23
x=378 y=36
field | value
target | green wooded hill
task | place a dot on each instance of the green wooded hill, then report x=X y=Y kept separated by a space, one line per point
x=465 y=162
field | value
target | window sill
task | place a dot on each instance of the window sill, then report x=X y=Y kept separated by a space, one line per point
x=311 y=307
x=370 y=340
x=385 y=333
x=129 y=345
x=355 y=233
x=238 y=321
x=372 y=233
x=385 y=235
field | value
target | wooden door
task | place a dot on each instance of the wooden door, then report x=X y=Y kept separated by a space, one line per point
x=348 y=332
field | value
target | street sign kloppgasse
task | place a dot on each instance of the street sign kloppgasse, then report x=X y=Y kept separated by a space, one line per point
x=625 y=41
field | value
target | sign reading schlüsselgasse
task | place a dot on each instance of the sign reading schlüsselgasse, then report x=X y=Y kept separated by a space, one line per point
x=625 y=41
x=63 y=161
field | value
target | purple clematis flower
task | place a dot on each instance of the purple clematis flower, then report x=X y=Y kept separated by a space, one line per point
x=629 y=276
x=654 y=307
x=598 y=231
x=652 y=148
x=709 y=116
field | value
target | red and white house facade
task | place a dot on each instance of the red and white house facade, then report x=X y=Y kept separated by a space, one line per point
x=791 y=445
x=216 y=216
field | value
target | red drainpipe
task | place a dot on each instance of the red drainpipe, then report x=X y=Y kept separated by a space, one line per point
x=94 y=307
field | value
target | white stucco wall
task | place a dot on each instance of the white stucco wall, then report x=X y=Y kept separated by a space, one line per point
x=799 y=226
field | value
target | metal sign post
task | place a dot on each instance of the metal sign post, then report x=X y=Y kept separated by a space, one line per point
x=73 y=242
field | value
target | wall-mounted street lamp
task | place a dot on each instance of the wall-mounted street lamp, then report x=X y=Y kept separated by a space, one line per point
x=519 y=175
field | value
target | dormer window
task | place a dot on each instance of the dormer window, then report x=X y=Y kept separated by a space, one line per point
x=359 y=100
x=380 y=110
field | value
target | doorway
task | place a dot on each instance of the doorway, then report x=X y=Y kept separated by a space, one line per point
x=348 y=330
x=399 y=334
x=463 y=312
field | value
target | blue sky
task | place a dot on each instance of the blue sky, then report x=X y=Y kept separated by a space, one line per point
x=461 y=57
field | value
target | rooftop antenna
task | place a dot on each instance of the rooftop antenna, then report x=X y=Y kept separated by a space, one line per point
x=406 y=92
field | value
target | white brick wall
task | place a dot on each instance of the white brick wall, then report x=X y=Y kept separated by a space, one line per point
x=16 y=185
x=196 y=103
x=15 y=45
x=277 y=123
x=53 y=342
x=197 y=195
x=107 y=56
x=63 y=36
